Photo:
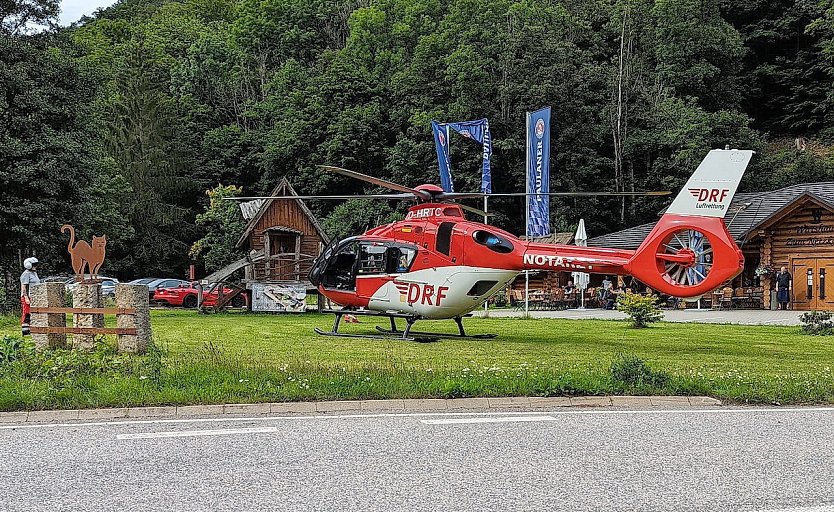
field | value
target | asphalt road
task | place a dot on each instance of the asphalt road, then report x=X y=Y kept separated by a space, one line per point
x=577 y=459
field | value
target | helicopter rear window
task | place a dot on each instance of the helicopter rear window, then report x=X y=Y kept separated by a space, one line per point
x=444 y=237
x=492 y=241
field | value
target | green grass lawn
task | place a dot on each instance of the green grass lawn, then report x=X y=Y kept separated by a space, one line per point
x=251 y=357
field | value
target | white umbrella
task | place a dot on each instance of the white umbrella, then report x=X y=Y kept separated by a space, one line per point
x=581 y=279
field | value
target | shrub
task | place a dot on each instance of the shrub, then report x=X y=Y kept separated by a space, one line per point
x=641 y=309
x=632 y=371
x=64 y=364
x=817 y=323
x=12 y=348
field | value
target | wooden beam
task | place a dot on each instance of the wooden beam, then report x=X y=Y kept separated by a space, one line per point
x=87 y=311
x=83 y=330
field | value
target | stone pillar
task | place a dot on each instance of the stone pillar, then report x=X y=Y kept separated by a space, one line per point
x=86 y=295
x=134 y=296
x=48 y=295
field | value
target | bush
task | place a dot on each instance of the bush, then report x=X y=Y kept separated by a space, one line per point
x=12 y=348
x=632 y=371
x=641 y=309
x=65 y=364
x=817 y=323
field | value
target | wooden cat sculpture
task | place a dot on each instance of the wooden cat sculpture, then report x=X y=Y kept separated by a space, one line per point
x=84 y=254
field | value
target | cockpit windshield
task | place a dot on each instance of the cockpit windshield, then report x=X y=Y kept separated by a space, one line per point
x=352 y=258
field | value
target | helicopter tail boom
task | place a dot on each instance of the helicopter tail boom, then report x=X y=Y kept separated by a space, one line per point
x=688 y=253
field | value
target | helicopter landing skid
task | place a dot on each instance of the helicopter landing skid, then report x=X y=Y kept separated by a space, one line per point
x=410 y=321
x=406 y=335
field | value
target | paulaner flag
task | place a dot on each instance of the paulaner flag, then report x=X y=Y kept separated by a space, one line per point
x=538 y=172
x=441 y=144
x=479 y=132
x=474 y=130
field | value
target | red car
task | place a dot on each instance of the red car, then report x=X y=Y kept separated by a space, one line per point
x=186 y=296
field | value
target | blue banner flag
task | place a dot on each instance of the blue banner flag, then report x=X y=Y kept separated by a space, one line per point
x=479 y=132
x=441 y=144
x=538 y=172
x=474 y=130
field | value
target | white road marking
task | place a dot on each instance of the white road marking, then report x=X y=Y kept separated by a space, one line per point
x=812 y=508
x=499 y=419
x=197 y=433
x=567 y=411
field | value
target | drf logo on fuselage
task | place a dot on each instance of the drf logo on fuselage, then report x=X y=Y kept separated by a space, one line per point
x=426 y=294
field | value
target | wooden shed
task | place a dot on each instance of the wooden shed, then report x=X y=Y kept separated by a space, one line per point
x=282 y=236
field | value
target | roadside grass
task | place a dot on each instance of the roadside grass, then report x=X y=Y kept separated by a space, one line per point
x=237 y=358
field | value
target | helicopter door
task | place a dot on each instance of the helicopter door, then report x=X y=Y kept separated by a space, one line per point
x=340 y=271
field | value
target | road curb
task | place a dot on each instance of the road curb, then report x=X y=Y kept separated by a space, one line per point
x=357 y=406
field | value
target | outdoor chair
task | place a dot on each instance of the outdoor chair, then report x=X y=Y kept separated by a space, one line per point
x=726 y=301
x=740 y=298
x=570 y=299
x=557 y=299
x=757 y=298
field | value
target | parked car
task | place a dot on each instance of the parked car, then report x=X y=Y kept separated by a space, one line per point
x=145 y=280
x=186 y=296
x=108 y=285
x=55 y=279
x=157 y=284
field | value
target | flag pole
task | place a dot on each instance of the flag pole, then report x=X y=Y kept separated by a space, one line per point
x=486 y=302
x=527 y=212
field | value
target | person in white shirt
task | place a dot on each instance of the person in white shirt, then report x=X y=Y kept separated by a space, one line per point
x=27 y=278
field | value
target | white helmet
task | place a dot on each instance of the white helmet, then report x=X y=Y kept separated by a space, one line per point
x=28 y=263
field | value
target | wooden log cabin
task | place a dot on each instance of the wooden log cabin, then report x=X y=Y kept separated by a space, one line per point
x=791 y=227
x=283 y=236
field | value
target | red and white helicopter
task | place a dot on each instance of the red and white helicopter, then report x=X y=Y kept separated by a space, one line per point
x=436 y=264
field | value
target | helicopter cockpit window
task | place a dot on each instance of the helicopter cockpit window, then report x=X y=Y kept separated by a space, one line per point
x=492 y=241
x=339 y=272
x=400 y=259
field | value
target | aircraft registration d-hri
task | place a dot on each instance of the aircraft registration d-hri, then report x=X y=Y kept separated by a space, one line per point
x=436 y=264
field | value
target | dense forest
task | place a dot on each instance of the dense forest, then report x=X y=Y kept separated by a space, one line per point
x=120 y=123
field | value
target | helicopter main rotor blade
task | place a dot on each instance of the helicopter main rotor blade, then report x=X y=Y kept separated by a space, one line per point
x=476 y=211
x=581 y=194
x=403 y=196
x=459 y=195
x=377 y=181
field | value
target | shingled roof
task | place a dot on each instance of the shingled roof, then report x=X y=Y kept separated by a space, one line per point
x=748 y=211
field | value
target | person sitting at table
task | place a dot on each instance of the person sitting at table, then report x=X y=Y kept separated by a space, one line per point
x=569 y=288
x=613 y=294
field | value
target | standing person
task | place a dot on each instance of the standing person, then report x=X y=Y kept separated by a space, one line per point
x=783 y=287
x=27 y=278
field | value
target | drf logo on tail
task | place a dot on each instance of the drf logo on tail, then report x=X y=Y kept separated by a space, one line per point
x=709 y=198
x=713 y=195
x=426 y=294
